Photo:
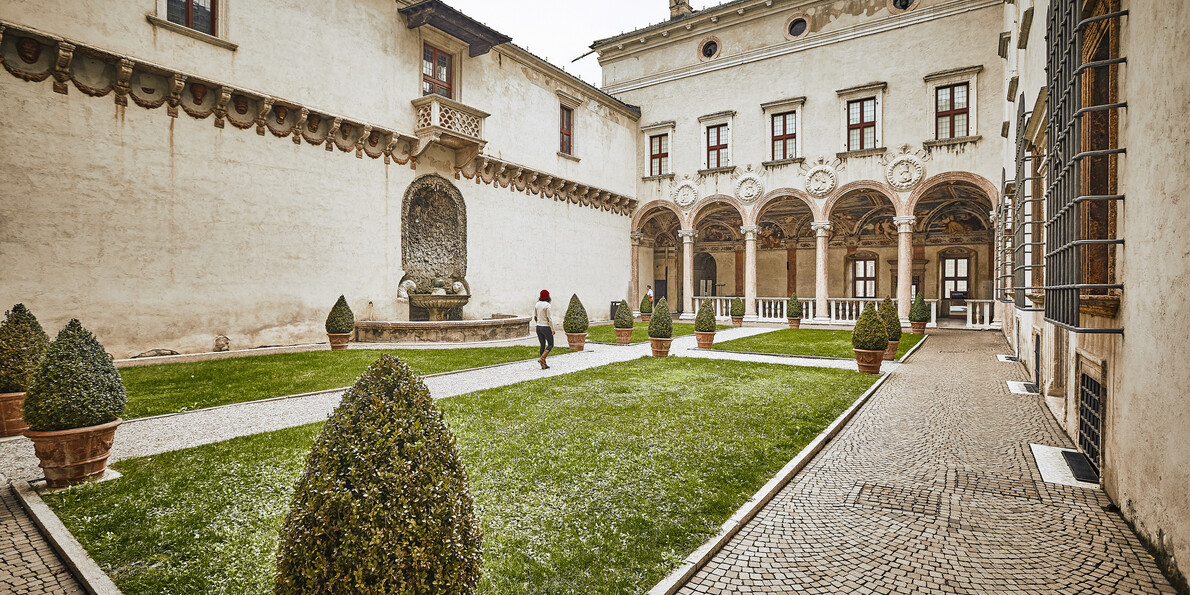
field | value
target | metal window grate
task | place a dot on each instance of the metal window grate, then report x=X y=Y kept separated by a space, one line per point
x=1090 y=420
x=1026 y=230
x=1002 y=218
x=1065 y=239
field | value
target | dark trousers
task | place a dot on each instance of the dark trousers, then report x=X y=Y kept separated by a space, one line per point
x=545 y=336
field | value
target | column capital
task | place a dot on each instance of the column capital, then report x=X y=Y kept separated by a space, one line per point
x=636 y=237
x=749 y=231
x=905 y=224
x=687 y=235
x=821 y=228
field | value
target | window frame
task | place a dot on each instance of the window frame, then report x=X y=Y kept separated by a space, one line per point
x=950 y=78
x=565 y=129
x=862 y=125
x=188 y=8
x=656 y=156
x=956 y=278
x=863 y=92
x=722 y=136
x=953 y=113
x=724 y=121
x=785 y=137
x=856 y=279
x=432 y=79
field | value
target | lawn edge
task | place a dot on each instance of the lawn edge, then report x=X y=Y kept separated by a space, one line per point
x=84 y=569
x=915 y=348
x=701 y=556
x=324 y=392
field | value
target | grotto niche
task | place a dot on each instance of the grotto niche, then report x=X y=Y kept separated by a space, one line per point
x=434 y=250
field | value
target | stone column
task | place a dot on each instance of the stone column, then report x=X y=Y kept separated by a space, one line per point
x=687 y=236
x=904 y=265
x=749 y=232
x=634 y=283
x=822 y=233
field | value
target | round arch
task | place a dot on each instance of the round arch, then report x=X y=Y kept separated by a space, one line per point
x=870 y=185
x=647 y=210
x=778 y=194
x=952 y=177
x=712 y=200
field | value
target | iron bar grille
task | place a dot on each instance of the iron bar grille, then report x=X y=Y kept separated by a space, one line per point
x=1065 y=264
x=1090 y=419
x=1004 y=239
x=1026 y=230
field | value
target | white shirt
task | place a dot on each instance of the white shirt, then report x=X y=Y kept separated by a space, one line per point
x=541 y=313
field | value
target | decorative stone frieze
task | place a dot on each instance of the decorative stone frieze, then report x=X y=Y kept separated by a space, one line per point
x=487 y=170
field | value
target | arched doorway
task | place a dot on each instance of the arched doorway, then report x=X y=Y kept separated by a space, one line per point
x=705 y=278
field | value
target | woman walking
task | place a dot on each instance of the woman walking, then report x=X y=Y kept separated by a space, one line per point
x=545 y=327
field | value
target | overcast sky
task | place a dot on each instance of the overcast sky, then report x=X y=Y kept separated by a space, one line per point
x=562 y=30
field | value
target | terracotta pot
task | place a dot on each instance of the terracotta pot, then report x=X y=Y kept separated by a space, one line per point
x=795 y=323
x=576 y=340
x=339 y=341
x=737 y=321
x=660 y=346
x=11 y=421
x=705 y=340
x=623 y=335
x=890 y=352
x=71 y=456
x=918 y=328
x=645 y=317
x=869 y=360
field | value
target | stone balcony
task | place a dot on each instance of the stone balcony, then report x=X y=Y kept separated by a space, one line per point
x=450 y=124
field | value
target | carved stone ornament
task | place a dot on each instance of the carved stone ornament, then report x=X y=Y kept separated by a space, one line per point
x=685 y=194
x=749 y=188
x=821 y=181
x=904 y=172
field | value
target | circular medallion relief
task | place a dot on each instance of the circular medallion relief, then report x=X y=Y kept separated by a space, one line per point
x=749 y=188
x=685 y=194
x=820 y=181
x=904 y=172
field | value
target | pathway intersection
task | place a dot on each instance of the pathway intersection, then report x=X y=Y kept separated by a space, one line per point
x=930 y=488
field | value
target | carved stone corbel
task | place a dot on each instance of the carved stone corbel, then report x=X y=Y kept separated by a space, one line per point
x=299 y=125
x=330 y=136
x=221 y=106
x=359 y=142
x=62 y=67
x=175 y=94
x=266 y=106
x=123 y=73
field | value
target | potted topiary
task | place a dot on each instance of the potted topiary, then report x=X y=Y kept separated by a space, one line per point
x=892 y=328
x=22 y=344
x=704 y=325
x=73 y=407
x=661 y=330
x=339 y=324
x=383 y=504
x=575 y=324
x=793 y=311
x=919 y=315
x=646 y=308
x=623 y=323
x=869 y=340
x=737 y=312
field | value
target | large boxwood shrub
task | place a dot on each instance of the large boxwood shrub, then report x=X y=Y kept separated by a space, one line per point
x=75 y=384
x=704 y=321
x=383 y=505
x=623 y=315
x=919 y=312
x=892 y=322
x=22 y=344
x=646 y=305
x=793 y=308
x=869 y=332
x=737 y=308
x=576 y=316
x=661 y=325
x=340 y=320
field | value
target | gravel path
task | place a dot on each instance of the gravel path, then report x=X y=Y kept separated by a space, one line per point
x=149 y=436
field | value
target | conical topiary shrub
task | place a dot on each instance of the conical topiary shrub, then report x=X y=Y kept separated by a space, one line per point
x=919 y=314
x=339 y=324
x=623 y=315
x=870 y=339
x=383 y=505
x=892 y=322
x=73 y=407
x=646 y=305
x=75 y=385
x=793 y=308
x=737 y=308
x=704 y=321
x=575 y=324
x=22 y=344
x=662 y=325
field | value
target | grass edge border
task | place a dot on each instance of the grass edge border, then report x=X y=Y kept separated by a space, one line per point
x=703 y=554
x=84 y=569
x=914 y=349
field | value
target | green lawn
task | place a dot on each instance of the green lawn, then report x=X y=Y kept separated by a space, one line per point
x=170 y=388
x=823 y=343
x=606 y=333
x=599 y=481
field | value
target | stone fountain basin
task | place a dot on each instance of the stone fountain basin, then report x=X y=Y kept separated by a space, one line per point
x=443 y=331
x=438 y=302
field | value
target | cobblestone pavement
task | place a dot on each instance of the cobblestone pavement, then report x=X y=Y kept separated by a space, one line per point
x=27 y=562
x=932 y=488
